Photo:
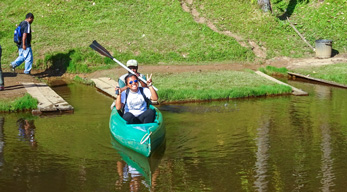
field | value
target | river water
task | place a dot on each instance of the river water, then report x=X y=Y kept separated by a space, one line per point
x=284 y=143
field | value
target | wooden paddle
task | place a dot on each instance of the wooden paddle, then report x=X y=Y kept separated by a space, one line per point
x=100 y=49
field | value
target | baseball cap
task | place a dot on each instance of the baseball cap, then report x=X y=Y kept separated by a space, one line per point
x=132 y=63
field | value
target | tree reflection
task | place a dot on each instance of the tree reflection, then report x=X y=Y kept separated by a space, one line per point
x=327 y=161
x=2 y=142
x=263 y=145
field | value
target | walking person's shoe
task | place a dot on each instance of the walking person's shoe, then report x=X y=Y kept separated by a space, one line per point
x=12 y=68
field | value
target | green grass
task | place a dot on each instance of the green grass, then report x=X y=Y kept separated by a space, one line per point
x=336 y=72
x=20 y=104
x=150 y=31
x=214 y=85
x=83 y=80
x=274 y=71
x=159 y=31
x=314 y=20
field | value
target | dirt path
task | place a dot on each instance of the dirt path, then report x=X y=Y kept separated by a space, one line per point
x=13 y=86
x=289 y=63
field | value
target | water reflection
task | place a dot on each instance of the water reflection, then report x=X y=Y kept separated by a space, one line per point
x=134 y=167
x=26 y=128
x=2 y=141
x=327 y=161
x=263 y=145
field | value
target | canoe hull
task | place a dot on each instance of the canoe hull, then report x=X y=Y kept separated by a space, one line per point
x=142 y=138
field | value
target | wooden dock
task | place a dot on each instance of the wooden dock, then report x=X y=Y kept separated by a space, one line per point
x=106 y=85
x=295 y=91
x=293 y=75
x=48 y=100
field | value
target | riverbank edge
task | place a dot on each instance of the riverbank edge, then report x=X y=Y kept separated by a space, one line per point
x=76 y=78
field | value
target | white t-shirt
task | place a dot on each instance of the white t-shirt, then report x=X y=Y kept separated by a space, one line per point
x=136 y=104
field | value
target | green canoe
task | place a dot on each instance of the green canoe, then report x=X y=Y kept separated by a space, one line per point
x=142 y=138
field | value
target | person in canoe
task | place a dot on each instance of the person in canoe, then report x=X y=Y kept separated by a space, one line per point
x=132 y=65
x=135 y=100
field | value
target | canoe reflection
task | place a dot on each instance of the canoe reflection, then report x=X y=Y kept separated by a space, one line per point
x=136 y=165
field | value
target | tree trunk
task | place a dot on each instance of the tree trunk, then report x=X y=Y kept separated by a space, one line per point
x=265 y=5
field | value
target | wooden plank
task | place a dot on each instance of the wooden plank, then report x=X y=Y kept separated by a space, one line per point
x=106 y=85
x=295 y=91
x=317 y=80
x=53 y=97
x=109 y=81
x=43 y=103
x=48 y=100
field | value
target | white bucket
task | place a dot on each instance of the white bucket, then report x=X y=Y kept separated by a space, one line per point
x=323 y=48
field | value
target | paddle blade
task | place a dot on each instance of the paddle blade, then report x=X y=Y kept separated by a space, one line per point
x=100 y=49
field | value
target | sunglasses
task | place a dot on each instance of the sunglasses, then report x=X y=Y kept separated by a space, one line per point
x=131 y=82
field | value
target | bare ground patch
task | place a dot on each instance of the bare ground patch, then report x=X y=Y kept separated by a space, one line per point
x=188 y=6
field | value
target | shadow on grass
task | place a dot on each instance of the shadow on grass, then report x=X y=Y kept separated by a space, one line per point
x=58 y=64
x=290 y=8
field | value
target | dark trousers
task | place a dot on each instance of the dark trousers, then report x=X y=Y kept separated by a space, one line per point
x=146 y=117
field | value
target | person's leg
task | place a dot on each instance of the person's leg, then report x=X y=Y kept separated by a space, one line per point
x=28 y=60
x=148 y=116
x=20 y=59
x=130 y=118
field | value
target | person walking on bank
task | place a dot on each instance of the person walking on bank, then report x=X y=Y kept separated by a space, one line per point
x=24 y=47
x=1 y=76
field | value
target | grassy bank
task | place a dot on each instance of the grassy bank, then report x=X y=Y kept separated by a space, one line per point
x=160 y=32
x=151 y=31
x=336 y=72
x=20 y=104
x=313 y=19
x=192 y=86
x=274 y=71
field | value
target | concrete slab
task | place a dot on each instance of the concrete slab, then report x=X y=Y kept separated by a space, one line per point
x=295 y=91
x=49 y=101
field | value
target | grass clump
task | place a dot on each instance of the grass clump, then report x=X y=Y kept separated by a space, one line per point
x=274 y=71
x=215 y=85
x=335 y=72
x=83 y=80
x=27 y=102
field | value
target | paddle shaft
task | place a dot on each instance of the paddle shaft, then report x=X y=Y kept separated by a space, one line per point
x=99 y=48
x=132 y=72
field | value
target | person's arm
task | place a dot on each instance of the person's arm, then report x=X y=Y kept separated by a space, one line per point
x=143 y=84
x=23 y=40
x=121 y=85
x=119 y=104
x=154 y=95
